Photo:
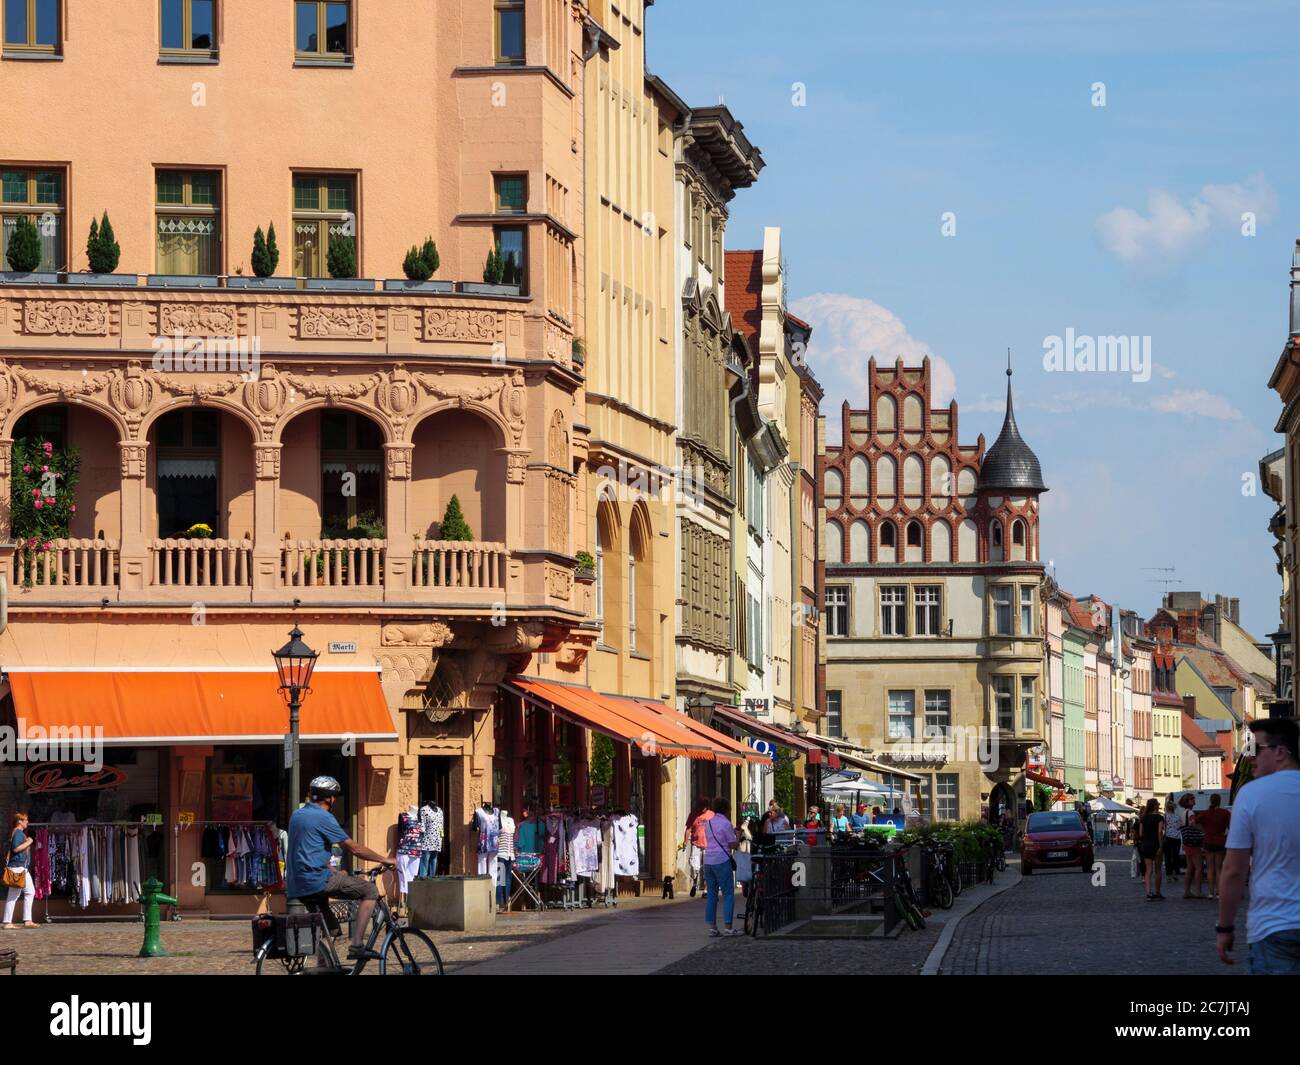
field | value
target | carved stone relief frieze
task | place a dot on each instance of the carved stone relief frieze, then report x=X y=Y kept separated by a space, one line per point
x=337 y=323
x=460 y=324
x=82 y=318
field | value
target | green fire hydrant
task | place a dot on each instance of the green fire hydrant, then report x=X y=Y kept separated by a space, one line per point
x=151 y=898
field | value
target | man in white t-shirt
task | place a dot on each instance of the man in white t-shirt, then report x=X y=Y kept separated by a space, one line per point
x=1264 y=840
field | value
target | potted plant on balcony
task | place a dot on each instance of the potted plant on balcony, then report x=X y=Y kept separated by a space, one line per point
x=586 y=571
x=501 y=276
x=102 y=254
x=264 y=259
x=342 y=264
x=420 y=264
x=452 y=527
x=199 y=531
x=24 y=256
x=42 y=501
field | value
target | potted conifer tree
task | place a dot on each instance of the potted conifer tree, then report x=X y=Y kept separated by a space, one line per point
x=264 y=259
x=102 y=255
x=23 y=256
x=342 y=264
x=420 y=264
x=501 y=276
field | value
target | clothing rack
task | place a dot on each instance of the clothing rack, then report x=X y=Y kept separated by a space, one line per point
x=67 y=827
x=180 y=826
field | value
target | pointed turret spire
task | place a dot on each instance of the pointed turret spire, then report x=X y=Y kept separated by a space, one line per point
x=1010 y=465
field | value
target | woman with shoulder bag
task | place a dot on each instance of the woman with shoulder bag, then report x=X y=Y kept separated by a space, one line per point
x=720 y=868
x=18 y=877
x=1193 y=837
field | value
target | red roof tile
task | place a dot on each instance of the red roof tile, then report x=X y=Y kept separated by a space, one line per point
x=744 y=287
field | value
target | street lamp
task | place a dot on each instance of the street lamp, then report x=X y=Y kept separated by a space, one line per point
x=295 y=662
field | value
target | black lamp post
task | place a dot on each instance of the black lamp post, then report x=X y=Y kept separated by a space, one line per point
x=295 y=662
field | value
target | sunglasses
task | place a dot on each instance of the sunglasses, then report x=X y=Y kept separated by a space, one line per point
x=1266 y=747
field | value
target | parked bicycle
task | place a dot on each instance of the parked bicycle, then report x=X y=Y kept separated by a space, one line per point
x=905 y=894
x=939 y=881
x=287 y=943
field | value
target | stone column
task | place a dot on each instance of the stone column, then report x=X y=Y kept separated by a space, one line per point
x=266 y=517
x=136 y=561
x=397 y=516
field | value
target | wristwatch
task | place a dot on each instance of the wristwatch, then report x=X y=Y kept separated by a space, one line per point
x=1225 y=930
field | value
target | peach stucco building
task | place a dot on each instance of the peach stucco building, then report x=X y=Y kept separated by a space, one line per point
x=325 y=470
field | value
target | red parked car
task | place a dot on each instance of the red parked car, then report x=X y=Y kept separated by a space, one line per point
x=1055 y=839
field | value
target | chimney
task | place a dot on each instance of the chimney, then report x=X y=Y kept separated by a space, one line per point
x=1188 y=623
x=1295 y=291
x=1189 y=706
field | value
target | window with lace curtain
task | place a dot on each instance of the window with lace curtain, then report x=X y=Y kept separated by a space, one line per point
x=324 y=206
x=188 y=210
x=188 y=471
x=37 y=195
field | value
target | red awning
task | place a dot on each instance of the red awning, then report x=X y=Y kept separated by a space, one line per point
x=773 y=733
x=1040 y=778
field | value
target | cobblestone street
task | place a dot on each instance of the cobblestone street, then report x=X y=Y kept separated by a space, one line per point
x=1058 y=923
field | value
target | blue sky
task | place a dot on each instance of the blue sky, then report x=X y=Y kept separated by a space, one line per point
x=1115 y=220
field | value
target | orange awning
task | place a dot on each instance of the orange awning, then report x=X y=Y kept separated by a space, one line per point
x=652 y=727
x=197 y=706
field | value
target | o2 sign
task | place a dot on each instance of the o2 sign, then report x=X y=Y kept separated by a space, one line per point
x=765 y=747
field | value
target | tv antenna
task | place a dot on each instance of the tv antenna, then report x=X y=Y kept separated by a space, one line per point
x=1166 y=581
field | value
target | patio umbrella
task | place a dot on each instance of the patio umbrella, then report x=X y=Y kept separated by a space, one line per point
x=1110 y=806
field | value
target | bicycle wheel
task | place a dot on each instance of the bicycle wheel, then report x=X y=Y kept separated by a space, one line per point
x=753 y=911
x=1001 y=861
x=409 y=952
x=911 y=914
x=941 y=891
x=268 y=966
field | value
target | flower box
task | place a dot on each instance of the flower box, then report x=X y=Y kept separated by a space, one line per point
x=102 y=280
x=239 y=281
x=419 y=286
x=340 y=284
x=479 y=288
x=182 y=281
x=40 y=277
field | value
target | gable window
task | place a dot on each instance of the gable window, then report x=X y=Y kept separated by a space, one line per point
x=1002 y=611
x=188 y=209
x=38 y=196
x=323 y=30
x=893 y=610
x=509 y=32
x=188 y=28
x=324 y=208
x=928 y=604
x=32 y=26
x=837 y=611
x=914 y=534
x=511 y=193
x=888 y=537
x=902 y=715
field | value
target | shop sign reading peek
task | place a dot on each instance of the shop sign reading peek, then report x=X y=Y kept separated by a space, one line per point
x=71 y=776
x=232 y=796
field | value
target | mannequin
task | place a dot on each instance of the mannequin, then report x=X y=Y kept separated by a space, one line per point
x=505 y=860
x=432 y=824
x=488 y=823
x=408 y=852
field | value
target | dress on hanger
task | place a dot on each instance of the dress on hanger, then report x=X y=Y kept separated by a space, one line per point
x=627 y=861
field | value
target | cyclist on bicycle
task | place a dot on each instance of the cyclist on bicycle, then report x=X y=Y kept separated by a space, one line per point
x=313 y=829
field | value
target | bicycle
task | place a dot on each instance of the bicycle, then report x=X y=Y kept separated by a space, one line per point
x=404 y=952
x=905 y=894
x=939 y=884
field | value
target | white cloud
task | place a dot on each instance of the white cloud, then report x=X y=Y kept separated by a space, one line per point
x=1171 y=226
x=1198 y=402
x=849 y=330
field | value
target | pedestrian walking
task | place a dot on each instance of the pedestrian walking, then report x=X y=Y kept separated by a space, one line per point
x=694 y=839
x=1193 y=837
x=1173 y=839
x=1150 y=843
x=719 y=867
x=18 y=876
x=1264 y=841
x=1216 y=822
